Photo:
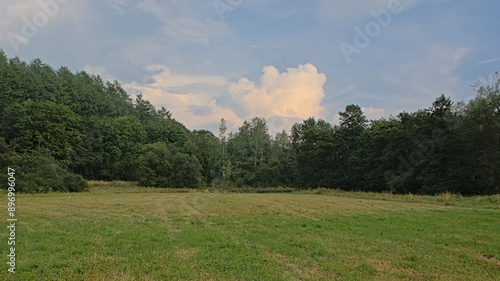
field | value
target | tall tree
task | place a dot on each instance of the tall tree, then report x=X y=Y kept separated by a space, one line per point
x=351 y=148
x=249 y=149
x=313 y=150
x=206 y=147
x=483 y=127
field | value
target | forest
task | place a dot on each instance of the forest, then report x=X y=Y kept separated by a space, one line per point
x=60 y=129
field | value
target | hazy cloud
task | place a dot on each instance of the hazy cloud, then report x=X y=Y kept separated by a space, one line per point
x=373 y=113
x=201 y=110
x=432 y=75
x=22 y=21
x=119 y=5
x=99 y=70
x=184 y=24
x=356 y=10
x=488 y=61
x=196 y=106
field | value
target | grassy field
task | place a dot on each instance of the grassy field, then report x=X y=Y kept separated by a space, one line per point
x=129 y=233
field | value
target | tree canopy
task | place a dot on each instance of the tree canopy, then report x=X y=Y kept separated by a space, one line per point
x=60 y=128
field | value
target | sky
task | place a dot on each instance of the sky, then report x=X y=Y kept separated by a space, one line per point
x=285 y=60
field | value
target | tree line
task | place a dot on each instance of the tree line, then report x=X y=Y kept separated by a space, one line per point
x=60 y=128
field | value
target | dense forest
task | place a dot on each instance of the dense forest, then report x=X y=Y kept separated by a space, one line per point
x=59 y=129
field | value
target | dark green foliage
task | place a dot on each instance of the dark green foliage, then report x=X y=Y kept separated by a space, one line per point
x=89 y=126
x=167 y=131
x=90 y=159
x=44 y=124
x=145 y=110
x=206 y=147
x=123 y=147
x=164 y=165
x=432 y=151
x=251 y=161
x=38 y=171
x=446 y=148
x=351 y=149
x=482 y=125
x=4 y=160
x=313 y=147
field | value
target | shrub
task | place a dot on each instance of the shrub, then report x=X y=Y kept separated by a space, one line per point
x=163 y=165
x=37 y=171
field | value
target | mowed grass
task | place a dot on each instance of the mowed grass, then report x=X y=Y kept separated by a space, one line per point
x=129 y=233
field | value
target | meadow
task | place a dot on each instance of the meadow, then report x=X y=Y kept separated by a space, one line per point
x=123 y=232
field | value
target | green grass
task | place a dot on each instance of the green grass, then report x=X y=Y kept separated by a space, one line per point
x=122 y=232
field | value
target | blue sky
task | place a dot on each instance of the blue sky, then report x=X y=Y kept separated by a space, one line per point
x=283 y=60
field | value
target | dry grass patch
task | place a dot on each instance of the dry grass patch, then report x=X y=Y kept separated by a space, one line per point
x=185 y=254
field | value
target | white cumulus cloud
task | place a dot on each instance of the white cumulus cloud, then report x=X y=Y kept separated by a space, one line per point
x=281 y=98
x=296 y=93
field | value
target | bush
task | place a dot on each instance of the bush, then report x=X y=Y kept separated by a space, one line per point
x=37 y=171
x=163 y=165
x=74 y=183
